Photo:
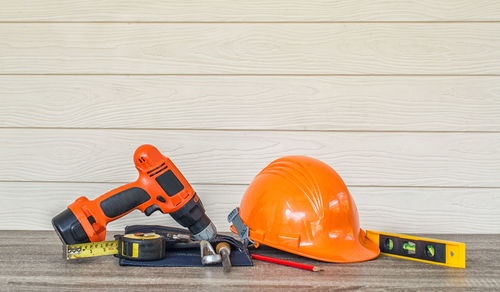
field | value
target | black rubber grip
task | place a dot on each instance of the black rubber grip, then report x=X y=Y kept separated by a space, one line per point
x=169 y=183
x=124 y=202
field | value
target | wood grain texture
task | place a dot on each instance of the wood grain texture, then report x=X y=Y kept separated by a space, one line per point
x=31 y=260
x=398 y=210
x=249 y=11
x=380 y=159
x=454 y=103
x=326 y=48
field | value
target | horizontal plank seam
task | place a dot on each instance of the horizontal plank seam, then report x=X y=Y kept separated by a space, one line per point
x=241 y=184
x=247 y=22
x=228 y=233
x=251 y=75
x=427 y=235
x=256 y=130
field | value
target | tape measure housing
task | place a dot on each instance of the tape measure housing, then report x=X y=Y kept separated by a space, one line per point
x=141 y=247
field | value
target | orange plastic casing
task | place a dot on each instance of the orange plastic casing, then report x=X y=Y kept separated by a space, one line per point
x=151 y=164
x=301 y=205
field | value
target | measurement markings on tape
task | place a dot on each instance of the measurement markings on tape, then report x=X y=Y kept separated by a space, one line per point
x=91 y=249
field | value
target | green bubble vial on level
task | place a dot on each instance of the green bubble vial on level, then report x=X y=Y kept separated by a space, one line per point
x=389 y=244
x=430 y=251
x=409 y=247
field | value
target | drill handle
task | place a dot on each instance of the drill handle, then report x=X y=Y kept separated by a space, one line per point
x=96 y=214
x=121 y=201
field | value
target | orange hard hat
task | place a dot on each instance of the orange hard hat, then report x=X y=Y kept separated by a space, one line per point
x=301 y=205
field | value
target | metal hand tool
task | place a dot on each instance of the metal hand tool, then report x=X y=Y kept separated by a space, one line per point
x=224 y=249
x=208 y=255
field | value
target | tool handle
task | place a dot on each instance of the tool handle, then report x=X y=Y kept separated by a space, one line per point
x=121 y=201
x=223 y=246
x=94 y=215
x=162 y=193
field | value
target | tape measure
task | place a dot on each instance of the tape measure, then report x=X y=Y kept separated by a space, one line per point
x=137 y=246
x=432 y=251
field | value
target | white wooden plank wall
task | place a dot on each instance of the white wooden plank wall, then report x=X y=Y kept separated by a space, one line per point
x=402 y=98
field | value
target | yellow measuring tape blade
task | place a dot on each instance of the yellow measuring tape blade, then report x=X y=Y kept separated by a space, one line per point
x=420 y=249
x=90 y=249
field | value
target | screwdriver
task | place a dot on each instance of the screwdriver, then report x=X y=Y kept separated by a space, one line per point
x=224 y=249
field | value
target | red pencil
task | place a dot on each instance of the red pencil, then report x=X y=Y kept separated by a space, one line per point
x=286 y=263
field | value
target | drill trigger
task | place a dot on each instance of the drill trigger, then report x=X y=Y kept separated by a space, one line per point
x=151 y=209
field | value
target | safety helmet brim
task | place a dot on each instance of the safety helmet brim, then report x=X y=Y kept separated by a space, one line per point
x=364 y=251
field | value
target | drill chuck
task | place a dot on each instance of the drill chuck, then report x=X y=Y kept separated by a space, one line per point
x=192 y=215
x=208 y=233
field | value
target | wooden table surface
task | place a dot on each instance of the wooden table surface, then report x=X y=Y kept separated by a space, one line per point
x=31 y=260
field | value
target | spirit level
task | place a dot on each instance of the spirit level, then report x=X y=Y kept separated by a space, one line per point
x=432 y=251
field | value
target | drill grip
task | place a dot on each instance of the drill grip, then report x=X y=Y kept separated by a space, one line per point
x=123 y=202
x=83 y=222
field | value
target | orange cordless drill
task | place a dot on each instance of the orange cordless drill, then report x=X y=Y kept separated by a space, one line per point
x=160 y=186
